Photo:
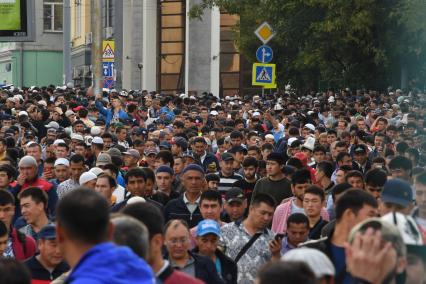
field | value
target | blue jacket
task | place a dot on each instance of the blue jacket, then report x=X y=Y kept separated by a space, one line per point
x=169 y=114
x=108 y=113
x=107 y=263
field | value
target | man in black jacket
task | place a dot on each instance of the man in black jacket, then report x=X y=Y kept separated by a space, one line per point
x=199 y=146
x=208 y=234
x=48 y=264
x=186 y=207
x=352 y=208
x=177 y=243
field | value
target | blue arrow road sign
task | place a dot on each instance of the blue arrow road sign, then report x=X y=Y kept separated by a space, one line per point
x=108 y=69
x=264 y=54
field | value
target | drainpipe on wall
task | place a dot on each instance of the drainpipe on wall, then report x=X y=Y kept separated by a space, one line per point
x=21 y=52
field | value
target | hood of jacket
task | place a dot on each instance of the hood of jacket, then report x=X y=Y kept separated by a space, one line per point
x=107 y=263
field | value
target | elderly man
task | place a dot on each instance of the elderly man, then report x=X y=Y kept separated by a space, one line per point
x=177 y=244
x=186 y=207
x=28 y=178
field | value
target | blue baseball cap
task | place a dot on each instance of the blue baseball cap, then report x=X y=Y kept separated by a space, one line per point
x=208 y=227
x=48 y=232
x=397 y=191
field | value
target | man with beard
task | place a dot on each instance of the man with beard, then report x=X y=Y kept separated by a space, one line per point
x=250 y=166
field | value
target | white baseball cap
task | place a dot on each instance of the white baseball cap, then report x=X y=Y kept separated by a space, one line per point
x=62 y=161
x=57 y=141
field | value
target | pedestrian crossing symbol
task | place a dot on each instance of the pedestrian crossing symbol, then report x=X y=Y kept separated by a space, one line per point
x=263 y=74
x=108 y=51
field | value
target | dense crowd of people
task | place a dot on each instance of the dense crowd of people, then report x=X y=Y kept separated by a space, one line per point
x=142 y=187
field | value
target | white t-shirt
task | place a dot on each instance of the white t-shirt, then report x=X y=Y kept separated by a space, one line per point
x=119 y=193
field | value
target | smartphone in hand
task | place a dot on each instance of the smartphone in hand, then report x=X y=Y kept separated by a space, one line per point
x=279 y=237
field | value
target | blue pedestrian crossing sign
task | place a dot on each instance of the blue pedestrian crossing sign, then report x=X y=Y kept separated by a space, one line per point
x=263 y=74
x=264 y=54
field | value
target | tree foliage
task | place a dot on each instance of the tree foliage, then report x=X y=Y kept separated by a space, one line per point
x=335 y=43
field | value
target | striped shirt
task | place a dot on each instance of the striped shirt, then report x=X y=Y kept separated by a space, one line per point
x=226 y=183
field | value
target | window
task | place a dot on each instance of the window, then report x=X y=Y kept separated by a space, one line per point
x=171 y=62
x=52 y=15
x=77 y=18
x=109 y=13
x=230 y=77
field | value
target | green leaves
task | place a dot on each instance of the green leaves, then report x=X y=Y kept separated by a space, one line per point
x=341 y=43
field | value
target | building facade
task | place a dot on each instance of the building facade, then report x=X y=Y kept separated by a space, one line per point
x=158 y=47
x=37 y=63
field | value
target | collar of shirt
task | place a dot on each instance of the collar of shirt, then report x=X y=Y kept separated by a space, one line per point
x=190 y=262
x=286 y=245
x=203 y=157
x=166 y=263
x=197 y=201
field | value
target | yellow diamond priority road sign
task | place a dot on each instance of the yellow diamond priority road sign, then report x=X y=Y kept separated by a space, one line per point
x=264 y=32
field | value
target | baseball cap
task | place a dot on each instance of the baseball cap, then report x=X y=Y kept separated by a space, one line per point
x=390 y=233
x=234 y=194
x=310 y=126
x=360 y=149
x=397 y=191
x=57 y=141
x=76 y=136
x=22 y=112
x=291 y=140
x=151 y=152
x=315 y=259
x=188 y=154
x=86 y=177
x=48 y=232
x=103 y=159
x=114 y=152
x=208 y=227
x=227 y=157
x=133 y=152
x=165 y=145
x=62 y=161
x=52 y=124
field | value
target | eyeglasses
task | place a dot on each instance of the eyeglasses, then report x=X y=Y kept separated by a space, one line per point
x=175 y=242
